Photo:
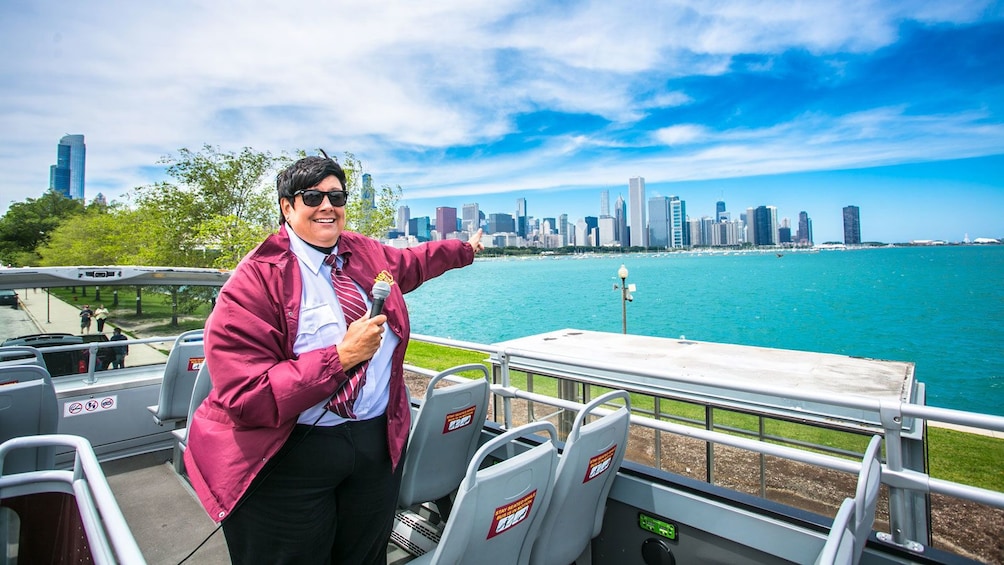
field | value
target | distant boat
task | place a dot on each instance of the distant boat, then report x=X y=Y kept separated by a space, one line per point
x=780 y=254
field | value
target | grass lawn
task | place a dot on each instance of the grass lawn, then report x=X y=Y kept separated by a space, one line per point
x=156 y=315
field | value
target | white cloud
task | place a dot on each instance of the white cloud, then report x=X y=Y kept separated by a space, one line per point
x=681 y=134
x=402 y=85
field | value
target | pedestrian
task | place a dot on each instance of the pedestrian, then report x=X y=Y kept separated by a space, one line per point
x=85 y=319
x=101 y=314
x=120 y=350
x=297 y=450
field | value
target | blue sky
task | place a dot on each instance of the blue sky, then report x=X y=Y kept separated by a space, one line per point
x=896 y=107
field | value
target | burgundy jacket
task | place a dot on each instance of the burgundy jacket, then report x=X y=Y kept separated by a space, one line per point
x=259 y=385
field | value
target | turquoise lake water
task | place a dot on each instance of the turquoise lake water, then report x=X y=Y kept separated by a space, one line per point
x=939 y=307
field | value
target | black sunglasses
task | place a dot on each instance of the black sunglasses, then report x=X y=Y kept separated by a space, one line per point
x=314 y=198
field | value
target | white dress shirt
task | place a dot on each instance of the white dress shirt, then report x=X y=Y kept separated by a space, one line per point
x=322 y=324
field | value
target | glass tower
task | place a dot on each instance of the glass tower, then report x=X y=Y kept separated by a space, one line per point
x=521 y=217
x=659 y=222
x=852 y=225
x=636 y=212
x=67 y=175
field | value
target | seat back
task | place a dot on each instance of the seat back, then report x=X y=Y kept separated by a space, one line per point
x=839 y=546
x=586 y=469
x=866 y=494
x=203 y=384
x=498 y=509
x=27 y=408
x=21 y=355
x=183 y=364
x=444 y=437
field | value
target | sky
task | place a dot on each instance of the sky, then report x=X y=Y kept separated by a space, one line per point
x=896 y=107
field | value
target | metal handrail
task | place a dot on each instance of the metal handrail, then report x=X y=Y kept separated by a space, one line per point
x=891 y=414
x=108 y=534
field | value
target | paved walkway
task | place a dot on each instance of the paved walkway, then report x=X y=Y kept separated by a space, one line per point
x=52 y=315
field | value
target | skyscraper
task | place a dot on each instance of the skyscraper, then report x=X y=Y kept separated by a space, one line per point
x=620 y=217
x=521 y=218
x=403 y=219
x=804 y=234
x=679 y=235
x=471 y=218
x=501 y=223
x=852 y=225
x=67 y=175
x=604 y=203
x=419 y=227
x=592 y=231
x=720 y=213
x=368 y=196
x=636 y=212
x=446 y=221
x=765 y=225
x=659 y=222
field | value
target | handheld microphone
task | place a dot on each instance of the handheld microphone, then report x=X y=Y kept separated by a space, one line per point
x=381 y=290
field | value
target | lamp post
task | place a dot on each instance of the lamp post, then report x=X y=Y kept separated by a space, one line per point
x=623 y=274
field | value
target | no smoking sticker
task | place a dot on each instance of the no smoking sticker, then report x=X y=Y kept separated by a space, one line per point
x=90 y=406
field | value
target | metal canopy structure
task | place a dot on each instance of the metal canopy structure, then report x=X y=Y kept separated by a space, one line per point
x=790 y=384
x=47 y=277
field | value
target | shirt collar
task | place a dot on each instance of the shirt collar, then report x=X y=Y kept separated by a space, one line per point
x=309 y=256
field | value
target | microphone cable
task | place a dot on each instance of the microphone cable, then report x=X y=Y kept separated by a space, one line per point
x=257 y=484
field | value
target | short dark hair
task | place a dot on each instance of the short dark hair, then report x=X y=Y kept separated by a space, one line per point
x=303 y=174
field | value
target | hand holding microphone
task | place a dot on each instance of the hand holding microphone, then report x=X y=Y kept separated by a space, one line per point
x=363 y=337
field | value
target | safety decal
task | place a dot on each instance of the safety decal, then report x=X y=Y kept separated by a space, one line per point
x=195 y=363
x=598 y=464
x=90 y=406
x=508 y=516
x=460 y=419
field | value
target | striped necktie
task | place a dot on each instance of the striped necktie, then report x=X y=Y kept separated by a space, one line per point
x=353 y=308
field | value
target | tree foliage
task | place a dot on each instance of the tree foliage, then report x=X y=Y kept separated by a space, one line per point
x=97 y=237
x=223 y=205
x=30 y=224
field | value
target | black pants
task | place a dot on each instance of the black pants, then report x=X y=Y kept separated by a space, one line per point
x=327 y=497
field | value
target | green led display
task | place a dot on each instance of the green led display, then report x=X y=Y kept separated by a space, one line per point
x=657 y=526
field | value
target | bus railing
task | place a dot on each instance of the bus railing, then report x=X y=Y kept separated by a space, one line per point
x=907 y=527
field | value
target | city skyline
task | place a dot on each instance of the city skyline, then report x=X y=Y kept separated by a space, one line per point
x=674 y=216
x=891 y=106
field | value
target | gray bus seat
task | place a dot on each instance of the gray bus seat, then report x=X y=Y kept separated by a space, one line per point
x=11 y=355
x=847 y=547
x=586 y=469
x=62 y=516
x=866 y=494
x=27 y=408
x=203 y=384
x=499 y=508
x=839 y=546
x=183 y=363
x=444 y=438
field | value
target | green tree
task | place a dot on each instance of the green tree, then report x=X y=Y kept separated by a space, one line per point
x=28 y=225
x=99 y=236
x=223 y=205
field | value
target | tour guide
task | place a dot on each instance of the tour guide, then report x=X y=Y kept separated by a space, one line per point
x=298 y=447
